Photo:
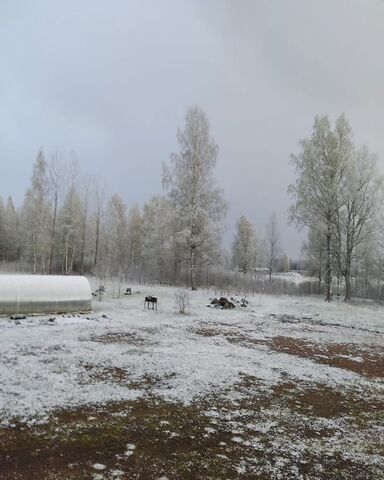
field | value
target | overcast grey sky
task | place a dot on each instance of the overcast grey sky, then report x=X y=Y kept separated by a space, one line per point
x=112 y=80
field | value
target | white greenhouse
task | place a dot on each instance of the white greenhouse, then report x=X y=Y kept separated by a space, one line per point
x=43 y=294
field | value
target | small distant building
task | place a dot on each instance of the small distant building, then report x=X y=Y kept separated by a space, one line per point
x=44 y=294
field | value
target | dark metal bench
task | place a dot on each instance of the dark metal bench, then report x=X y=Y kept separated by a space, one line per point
x=148 y=300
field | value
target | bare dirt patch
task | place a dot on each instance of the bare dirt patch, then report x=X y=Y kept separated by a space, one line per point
x=236 y=338
x=169 y=440
x=315 y=399
x=101 y=373
x=125 y=338
x=150 y=438
x=366 y=362
x=206 y=332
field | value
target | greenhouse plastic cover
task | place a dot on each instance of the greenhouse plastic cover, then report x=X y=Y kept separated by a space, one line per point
x=44 y=293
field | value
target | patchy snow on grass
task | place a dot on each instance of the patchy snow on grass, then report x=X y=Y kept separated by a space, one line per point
x=294 y=277
x=122 y=351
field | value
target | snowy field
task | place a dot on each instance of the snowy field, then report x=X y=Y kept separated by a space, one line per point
x=287 y=387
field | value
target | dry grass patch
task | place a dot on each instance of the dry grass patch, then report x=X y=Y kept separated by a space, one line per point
x=169 y=440
x=101 y=373
x=206 y=332
x=252 y=438
x=120 y=337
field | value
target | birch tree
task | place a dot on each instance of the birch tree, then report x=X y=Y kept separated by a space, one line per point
x=55 y=182
x=11 y=231
x=271 y=244
x=69 y=229
x=197 y=204
x=358 y=219
x=314 y=253
x=284 y=263
x=116 y=254
x=135 y=236
x=157 y=236
x=320 y=168
x=84 y=223
x=244 y=247
x=99 y=196
x=36 y=217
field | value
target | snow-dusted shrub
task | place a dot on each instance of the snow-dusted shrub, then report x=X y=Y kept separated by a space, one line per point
x=183 y=300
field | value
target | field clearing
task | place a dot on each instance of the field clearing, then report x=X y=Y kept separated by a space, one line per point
x=286 y=388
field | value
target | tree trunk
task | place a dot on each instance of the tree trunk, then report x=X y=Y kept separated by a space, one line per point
x=66 y=257
x=193 y=268
x=348 y=267
x=53 y=228
x=83 y=232
x=97 y=238
x=348 y=286
x=34 y=255
x=328 y=266
x=133 y=253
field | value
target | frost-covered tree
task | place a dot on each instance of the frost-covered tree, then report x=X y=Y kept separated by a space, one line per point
x=11 y=238
x=135 y=237
x=313 y=252
x=357 y=220
x=336 y=194
x=157 y=237
x=9 y=231
x=317 y=192
x=99 y=198
x=84 y=248
x=284 y=263
x=198 y=206
x=36 y=218
x=56 y=179
x=272 y=244
x=244 y=247
x=116 y=253
x=368 y=267
x=69 y=237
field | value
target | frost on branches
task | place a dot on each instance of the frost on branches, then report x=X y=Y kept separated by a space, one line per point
x=197 y=205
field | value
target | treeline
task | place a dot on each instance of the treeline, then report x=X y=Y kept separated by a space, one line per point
x=67 y=224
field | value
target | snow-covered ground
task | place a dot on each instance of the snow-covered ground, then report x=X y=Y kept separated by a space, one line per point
x=294 y=277
x=123 y=352
x=45 y=365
